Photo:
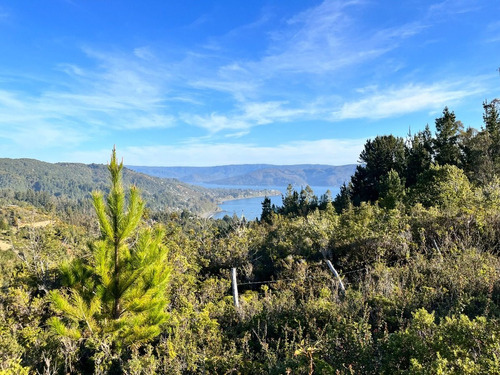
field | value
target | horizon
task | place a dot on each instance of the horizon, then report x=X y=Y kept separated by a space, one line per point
x=222 y=83
x=126 y=165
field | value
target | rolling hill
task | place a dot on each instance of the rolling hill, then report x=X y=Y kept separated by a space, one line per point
x=256 y=174
x=76 y=181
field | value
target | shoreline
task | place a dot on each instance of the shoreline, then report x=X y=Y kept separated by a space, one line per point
x=211 y=214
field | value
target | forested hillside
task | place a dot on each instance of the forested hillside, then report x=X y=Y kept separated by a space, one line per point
x=414 y=237
x=49 y=184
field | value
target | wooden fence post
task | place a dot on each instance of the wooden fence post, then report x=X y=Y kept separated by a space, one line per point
x=334 y=271
x=235 y=288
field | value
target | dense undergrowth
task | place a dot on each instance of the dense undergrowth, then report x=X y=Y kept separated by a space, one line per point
x=419 y=258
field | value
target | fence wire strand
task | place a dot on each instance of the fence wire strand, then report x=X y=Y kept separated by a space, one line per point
x=365 y=268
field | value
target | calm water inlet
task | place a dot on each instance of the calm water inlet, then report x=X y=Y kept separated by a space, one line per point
x=251 y=208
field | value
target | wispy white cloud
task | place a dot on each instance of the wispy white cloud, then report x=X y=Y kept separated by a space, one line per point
x=238 y=87
x=327 y=38
x=493 y=39
x=237 y=134
x=9 y=100
x=133 y=90
x=324 y=151
x=322 y=42
x=493 y=29
x=46 y=134
x=373 y=103
x=410 y=98
x=72 y=70
x=248 y=115
x=215 y=123
x=493 y=26
x=268 y=112
x=313 y=41
x=4 y=14
x=144 y=53
x=119 y=93
x=448 y=7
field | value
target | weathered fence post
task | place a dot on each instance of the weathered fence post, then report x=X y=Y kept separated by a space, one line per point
x=334 y=271
x=235 y=288
x=437 y=248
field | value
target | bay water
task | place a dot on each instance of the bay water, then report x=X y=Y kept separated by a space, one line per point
x=251 y=208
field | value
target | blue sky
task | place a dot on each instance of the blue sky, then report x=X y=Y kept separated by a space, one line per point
x=203 y=83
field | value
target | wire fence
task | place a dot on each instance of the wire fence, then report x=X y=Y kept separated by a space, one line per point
x=279 y=280
x=341 y=287
x=365 y=268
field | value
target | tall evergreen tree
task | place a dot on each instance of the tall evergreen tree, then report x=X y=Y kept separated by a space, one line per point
x=343 y=199
x=491 y=118
x=392 y=190
x=120 y=292
x=267 y=210
x=290 y=202
x=419 y=154
x=379 y=156
x=446 y=143
x=476 y=157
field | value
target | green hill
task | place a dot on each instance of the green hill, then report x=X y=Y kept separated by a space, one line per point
x=76 y=181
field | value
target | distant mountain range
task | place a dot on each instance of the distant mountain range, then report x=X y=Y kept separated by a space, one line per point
x=256 y=174
x=75 y=181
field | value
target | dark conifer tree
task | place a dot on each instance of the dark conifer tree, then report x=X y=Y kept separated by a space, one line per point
x=343 y=199
x=446 y=142
x=419 y=154
x=267 y=210
x=290 y=202
x=491 y=118
x=392 y=190
x=379 y=156
x=476 y=157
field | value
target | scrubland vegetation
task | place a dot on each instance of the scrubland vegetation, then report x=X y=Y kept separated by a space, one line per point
x=415 y=237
